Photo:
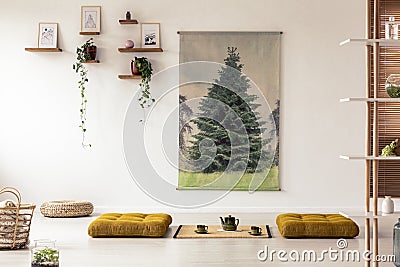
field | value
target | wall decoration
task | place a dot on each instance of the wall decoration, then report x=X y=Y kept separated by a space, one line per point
x=150 y=35
x=47 y=37
x=214 y=152
x=90 y=18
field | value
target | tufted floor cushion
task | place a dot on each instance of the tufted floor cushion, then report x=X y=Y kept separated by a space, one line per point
x=293 y=225
x=130 y=225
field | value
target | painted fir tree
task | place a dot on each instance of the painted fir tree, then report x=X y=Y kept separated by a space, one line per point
x=246 y=143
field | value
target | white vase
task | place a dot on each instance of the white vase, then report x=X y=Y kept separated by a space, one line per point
x=387 y=205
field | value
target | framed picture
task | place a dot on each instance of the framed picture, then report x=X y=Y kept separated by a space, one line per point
x=150 y=35
x=90 y=18
x=47 y=36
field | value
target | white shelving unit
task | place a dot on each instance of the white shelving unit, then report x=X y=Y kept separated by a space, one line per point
x=368 y=157
x=381 y=42
x=363 y=99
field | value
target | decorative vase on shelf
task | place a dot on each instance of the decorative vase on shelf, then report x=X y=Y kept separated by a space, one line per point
x=45 y=254
x=387 y=205
x=128 y=15
x=396 y=243
x=392 y=85
x=134 y=69
x=92 y=52
x=129 y=44
x=392 y=29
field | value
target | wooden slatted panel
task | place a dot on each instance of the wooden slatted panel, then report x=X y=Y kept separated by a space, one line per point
x=388 y=113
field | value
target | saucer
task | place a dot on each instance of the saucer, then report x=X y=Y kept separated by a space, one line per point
x=260 y=233
x=201 y=232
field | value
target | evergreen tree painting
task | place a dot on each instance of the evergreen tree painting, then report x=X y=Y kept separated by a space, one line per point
x=246 y=145
x=229 y=113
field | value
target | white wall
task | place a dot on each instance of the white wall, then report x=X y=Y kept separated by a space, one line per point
x=40 y=150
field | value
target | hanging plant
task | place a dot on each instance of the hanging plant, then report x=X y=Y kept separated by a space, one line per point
x=393 y=149
x=85 y=52
x=143 y=68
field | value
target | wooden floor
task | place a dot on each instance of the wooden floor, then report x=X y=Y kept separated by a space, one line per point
x=77 y=249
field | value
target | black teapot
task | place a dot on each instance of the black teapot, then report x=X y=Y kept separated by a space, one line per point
x=229 y=223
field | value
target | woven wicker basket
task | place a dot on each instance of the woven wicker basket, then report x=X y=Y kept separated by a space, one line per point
x=15 y=222
x=66 y=208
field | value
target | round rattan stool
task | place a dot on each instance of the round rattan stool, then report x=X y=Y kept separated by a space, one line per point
x=66 y=208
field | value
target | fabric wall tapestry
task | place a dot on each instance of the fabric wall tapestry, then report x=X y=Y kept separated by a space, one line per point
x=229 y=126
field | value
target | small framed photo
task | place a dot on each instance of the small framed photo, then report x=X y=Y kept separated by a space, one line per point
x=90 y=18
x=150 y=35
x=47 y=36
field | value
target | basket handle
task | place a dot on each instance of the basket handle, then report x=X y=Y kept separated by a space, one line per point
x=12 y=190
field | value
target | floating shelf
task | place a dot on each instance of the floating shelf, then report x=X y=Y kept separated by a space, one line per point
x=369 y=158
x=91 y=61
x=128 y=21
x=353 y=214
x=36 y=49
x=363 y=99
x=124 y=50
x=130 y=76
x=89 y=33
x=382 y=42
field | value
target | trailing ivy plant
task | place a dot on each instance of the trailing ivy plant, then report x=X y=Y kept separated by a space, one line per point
x=144 y=66
x=81 y=57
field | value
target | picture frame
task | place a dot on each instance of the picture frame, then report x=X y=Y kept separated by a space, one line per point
x=90 y=18
x=47 y=34
x=150 y=35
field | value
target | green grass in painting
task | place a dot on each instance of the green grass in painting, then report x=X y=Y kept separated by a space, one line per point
x=192 y=180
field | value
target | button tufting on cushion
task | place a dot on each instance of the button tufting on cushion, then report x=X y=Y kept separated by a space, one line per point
x=130 y=225
x=293 y=225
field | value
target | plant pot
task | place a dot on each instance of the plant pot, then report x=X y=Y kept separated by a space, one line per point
x=396 y=150
x=134 y=69
x=91 y=51
x=393 y=85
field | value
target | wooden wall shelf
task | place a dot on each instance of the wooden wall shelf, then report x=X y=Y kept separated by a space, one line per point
x=89 y=33
x=124 y=50
x=130 y=76
x=128 y=21
x=36 y=49
x=92 y=61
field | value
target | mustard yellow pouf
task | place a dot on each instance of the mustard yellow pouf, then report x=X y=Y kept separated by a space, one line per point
x=293 y=225
x=130 y=225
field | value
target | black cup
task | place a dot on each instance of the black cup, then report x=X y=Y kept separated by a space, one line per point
x=255 y=230
x=202 y=228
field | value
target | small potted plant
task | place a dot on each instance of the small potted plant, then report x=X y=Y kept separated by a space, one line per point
x=142 y=66
x=45 y=254
x=393 y=149
x=87 y=51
